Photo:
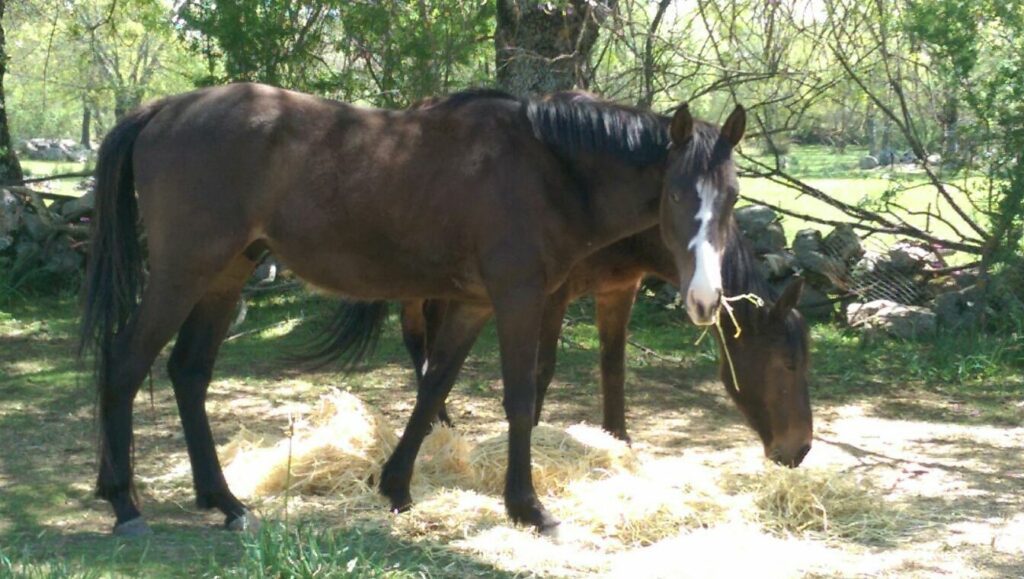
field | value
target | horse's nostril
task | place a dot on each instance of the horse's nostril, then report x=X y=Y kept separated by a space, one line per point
x=803 y=453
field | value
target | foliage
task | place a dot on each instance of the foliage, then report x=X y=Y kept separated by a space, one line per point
x=387 y=53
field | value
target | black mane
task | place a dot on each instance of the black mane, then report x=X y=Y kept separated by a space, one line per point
x=463 y=97
x=741 y=274
x=575 y=124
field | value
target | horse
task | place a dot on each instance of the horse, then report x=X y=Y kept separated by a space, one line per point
x=517 y=191
x=770 y=353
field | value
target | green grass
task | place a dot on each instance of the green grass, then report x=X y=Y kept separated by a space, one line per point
x=837 y=175
x=33 y=169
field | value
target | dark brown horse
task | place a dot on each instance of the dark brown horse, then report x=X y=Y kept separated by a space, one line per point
x=770 y=355
x=484 y=200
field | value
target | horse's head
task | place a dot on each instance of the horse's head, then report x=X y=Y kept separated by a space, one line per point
x=700 y=189
x=771 y=361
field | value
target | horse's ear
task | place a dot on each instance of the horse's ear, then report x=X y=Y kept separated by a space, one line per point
x=735 y=126
x=788 y=300
x=682 y=125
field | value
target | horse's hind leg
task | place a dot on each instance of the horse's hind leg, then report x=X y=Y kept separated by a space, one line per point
x=420 y=320
x=547 y=347
x=614 y=308
x=449 y=347
x=190 y=369
x=165 y=304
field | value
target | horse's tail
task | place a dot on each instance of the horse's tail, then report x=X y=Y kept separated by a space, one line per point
x=349 y=335
x=114 y=275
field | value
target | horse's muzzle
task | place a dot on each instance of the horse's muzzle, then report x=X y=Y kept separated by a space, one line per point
x=703 y=309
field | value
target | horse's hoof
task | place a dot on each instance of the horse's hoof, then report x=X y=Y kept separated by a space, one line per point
x=532 y=513
x=136 y=527
x=244 y=523
x=399 y=504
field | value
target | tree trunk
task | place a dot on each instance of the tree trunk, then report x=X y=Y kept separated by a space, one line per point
x=10 y=168
x=86 y=139
x=950 y=119
x=544 y=47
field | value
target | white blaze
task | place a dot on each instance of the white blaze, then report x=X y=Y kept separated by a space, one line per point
x=706 y=285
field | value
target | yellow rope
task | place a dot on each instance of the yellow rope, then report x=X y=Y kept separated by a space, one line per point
x=752 y=298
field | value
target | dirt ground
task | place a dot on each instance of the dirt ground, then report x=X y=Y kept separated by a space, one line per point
x=959 y=485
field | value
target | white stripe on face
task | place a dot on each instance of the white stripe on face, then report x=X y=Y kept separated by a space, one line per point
x=706 y=285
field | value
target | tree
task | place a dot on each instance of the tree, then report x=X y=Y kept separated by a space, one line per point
x=543 y=47
x=10 y=168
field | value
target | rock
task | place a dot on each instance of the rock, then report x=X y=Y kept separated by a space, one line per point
x=843 y=243
x=868 y=162
x=75 y=208
x=761 y=227
x=11 y=210
x=778 y=265
x=35 y=227
x=807 y=240
x=888 y=317
x=886 y=157
x=815 y=304
x=754 y=217
x=822 y=270
x=934 y=159
x=910 y=257
x=958 y=309
x=908 y=157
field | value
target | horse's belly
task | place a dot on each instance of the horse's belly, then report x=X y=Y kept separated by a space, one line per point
x=376 y=276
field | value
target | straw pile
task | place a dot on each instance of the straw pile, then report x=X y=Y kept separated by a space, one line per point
x=824 y=502
x=338 y=450
x=636 y=510
x=560 y=457
x=607 y=499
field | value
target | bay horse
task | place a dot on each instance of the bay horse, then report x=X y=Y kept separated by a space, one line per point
x=515 y=192
x=770 y=355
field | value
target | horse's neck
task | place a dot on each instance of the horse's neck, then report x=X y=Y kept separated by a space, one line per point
x=621 y=199
x=741 y=276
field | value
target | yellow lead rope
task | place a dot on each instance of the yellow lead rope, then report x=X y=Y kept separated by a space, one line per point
x=752 y=298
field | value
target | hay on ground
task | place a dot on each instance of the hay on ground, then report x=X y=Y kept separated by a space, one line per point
x=560 y=457
x=827 y=502
x=337 y=451
x=635 y=510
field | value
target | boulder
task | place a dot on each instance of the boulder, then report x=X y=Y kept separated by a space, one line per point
x=11 y=210
x=957 y=310
x=778 y=265
x=934 y=159
x=886 y=157
x=76 y=208
x=888 y=317
x=814 y=304
x=843 y=243
x=868 y=162
x=760 y=225
x=754 y=217
x=821 y=269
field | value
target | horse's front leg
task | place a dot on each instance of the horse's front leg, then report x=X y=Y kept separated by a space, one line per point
x=448 y=350
x=518 y=312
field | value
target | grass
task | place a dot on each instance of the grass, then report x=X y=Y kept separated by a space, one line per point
x=34 y=169
x=46 y=409
x=837 y=175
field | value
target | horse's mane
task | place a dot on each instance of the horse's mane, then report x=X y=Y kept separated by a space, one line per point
x=741 y=274
x=580 y=123
x=576 y=122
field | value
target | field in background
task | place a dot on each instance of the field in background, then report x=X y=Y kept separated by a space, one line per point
x=838 y=175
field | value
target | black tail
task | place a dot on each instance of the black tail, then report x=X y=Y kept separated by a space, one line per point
x=349 y=336
x=114 y=276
